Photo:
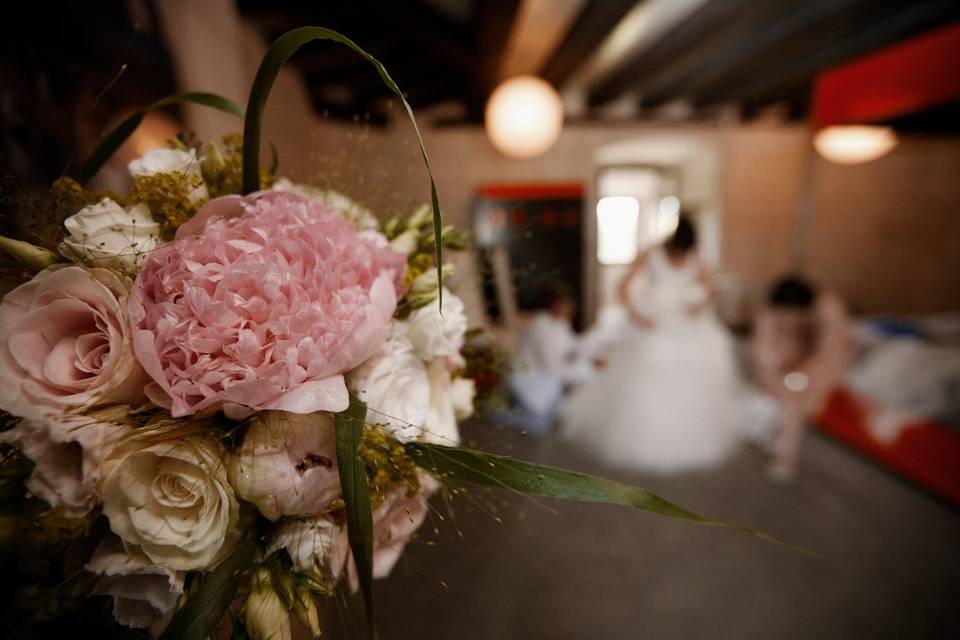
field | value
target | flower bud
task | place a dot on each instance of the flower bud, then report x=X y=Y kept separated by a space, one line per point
x=394 y=227
x=213 y=163
x=265 y=616
x=420 y=216
x=406 y=243
x=306 y=611
x=29 y=254
x=455 y=239
x=287 y=464
x=428 y=282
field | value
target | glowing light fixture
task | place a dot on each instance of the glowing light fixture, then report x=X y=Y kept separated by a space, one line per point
x=617 y=220
x=854 y=144
x=523 y=117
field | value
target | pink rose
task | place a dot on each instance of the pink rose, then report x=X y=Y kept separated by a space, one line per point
x=65 y=344
x=67 y=453
x=262 y=302
x=394 y=523
x=142 y=592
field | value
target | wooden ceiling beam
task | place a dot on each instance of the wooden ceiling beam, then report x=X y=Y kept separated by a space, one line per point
x=778 y=75
x=695 y=35
x=492 y=22
x=792 y=23
x=595 y=22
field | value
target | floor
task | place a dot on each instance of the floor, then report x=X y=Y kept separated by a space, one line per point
x=889 y=565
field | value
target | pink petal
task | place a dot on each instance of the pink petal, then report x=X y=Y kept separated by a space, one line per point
x=328 y=394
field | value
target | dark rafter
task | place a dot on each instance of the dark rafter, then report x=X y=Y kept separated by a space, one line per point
x=699 y=31
x=492 y=22
x=783 y=24
x=841 y=39
x=744 y=51
x=595 y=22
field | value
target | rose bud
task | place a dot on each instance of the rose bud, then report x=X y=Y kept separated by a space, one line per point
x=287 y=464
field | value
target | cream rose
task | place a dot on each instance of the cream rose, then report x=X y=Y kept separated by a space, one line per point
x=170 y=499
x=439 y=335
x=107 y=235
x=65 y=344
x=142 y=592
x=394 y=385
x=287 y=464
x=67 y=452
x=183 y=161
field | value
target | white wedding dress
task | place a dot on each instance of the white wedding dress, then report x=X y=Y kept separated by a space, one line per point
x=668 y=399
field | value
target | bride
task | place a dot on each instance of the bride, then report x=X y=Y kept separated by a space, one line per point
x=666 y=399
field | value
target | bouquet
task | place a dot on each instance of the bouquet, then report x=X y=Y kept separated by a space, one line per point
x=241 y=391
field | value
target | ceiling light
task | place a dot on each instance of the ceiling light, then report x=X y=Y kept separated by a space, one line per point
x=524 y=116
x=854 y=144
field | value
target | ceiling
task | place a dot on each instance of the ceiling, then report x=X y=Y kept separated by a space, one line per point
x=653 y=58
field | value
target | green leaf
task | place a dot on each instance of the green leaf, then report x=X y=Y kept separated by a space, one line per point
x=198 y=617
x=500 y=472
x=278 y=53
x=356 y=498
x=123 y=131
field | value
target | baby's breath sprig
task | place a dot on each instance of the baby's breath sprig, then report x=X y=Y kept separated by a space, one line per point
x=223 y=170
x=388 y=465
x=168 y=195
x=70 y=195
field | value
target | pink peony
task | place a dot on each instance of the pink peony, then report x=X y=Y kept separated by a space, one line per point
x=262 y=302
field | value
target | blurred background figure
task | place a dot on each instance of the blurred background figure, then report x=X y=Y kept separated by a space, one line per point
x=669 y=399
x=800 y=349
x=549 y=357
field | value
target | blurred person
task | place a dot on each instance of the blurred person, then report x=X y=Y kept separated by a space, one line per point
x=667 y=399
x=801 y=348
x=548 y=358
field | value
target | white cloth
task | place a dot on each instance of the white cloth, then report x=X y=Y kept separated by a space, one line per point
x=547 y=358
x=906 y=379
x=669 y=397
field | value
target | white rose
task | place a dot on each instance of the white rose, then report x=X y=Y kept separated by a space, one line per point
x=393 y=384
x=67 y=452
x=107 y=235
x=440 y=426
x=171 y=499
x=142 y=592
x=287 y=464
x=313 y=542
x=183 y=161
x=359 y=216
x=462 y=393
x=439 y=335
